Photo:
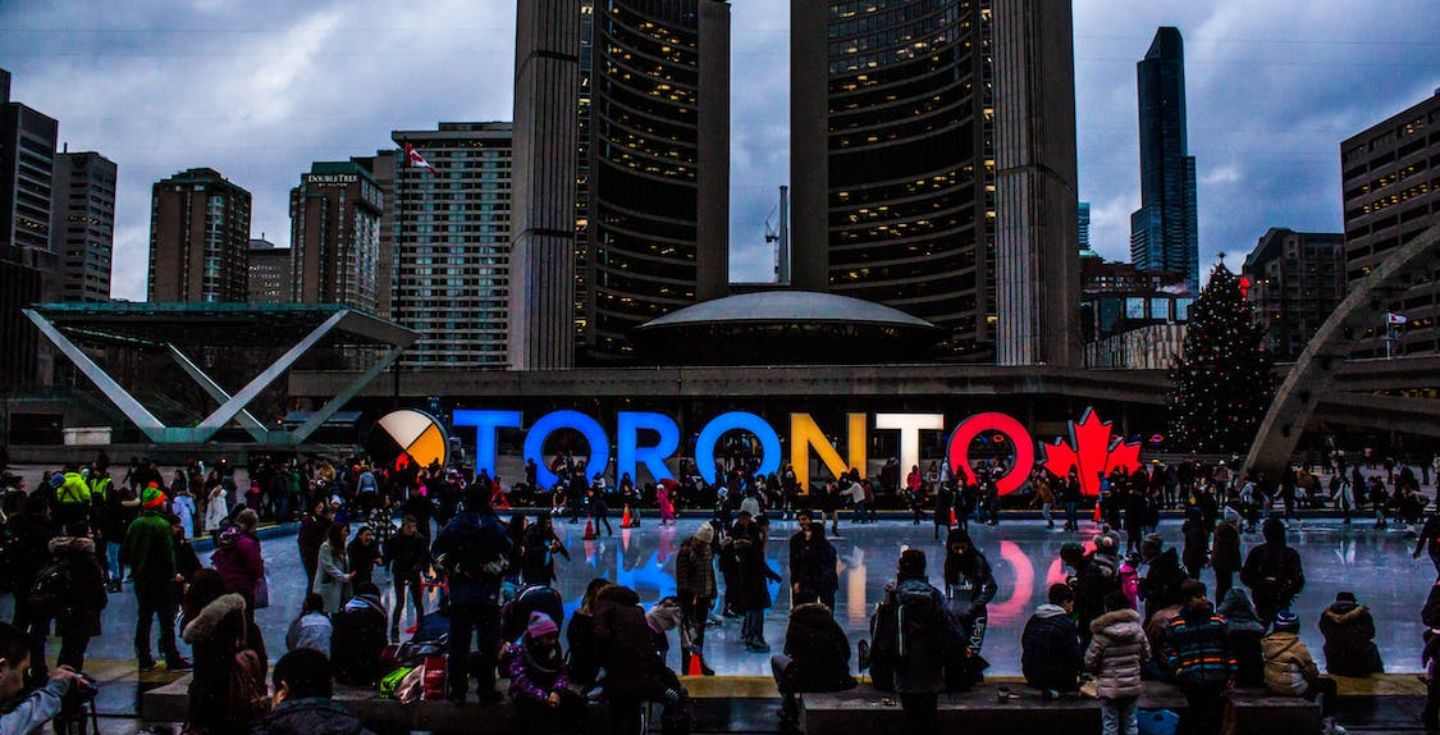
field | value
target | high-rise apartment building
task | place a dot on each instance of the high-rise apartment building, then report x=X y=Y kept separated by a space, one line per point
x=894 y=153
x=1296 y=281
x=1165 y=231
x=199 y=239
x=452 y=245
x=271 y=277
x=382 y=167
x=335 y=216
x=82 y=224
x=29 y=269
x=1391 y=185
x=1082 y=219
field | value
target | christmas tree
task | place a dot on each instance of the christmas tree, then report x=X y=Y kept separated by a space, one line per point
x=1223 y=383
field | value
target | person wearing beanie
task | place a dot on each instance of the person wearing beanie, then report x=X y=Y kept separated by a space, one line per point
x=1244 y=631
x=969 y=588
x=1349 y=632
x=150 y=553
x=1290 y=670
x=1196 y=649
x=540 y=682
x=910 y=660
x=1273 y=572
x=664 y=617
x=696 y=589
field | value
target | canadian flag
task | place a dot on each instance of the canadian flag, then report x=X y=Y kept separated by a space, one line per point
x=413 y=158
x=1393 y=318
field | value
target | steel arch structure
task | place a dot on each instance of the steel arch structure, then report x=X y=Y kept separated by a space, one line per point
x=1313 y=375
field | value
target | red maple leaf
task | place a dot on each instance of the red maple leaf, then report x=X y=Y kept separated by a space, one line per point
x=1091 y=452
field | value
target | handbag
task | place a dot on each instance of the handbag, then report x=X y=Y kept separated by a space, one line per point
x=262 y=591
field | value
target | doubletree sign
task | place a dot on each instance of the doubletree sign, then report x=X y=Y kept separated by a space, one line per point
x=1090 y=449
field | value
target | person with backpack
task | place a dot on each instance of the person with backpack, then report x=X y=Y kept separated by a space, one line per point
x=1117 y=653
x=473 y=549
x=1051 y=655
x=304 y=700
x=1273 y=572
x=150 y=553
x=227 y=691
x=816 y=658
x=909 y=631
x=69 y=590
x=1349 y=632
x=1197 y=652
x=695 y=587
x=357 y=637
x=26 y=556
x=969 y=588
x=539 y=682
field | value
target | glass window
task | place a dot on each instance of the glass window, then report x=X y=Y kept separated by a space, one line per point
x=1182 y=309
x=1160 y=309
x=1135 y=308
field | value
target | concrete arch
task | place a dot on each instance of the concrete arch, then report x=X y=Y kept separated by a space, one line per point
x=1313 y=374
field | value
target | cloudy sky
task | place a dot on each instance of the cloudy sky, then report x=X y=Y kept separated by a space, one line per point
x=260 y=88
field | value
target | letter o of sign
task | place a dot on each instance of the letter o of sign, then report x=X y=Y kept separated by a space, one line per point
x=957 y=454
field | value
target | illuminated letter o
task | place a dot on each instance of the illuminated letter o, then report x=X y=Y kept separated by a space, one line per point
x=958 y=453
x=548 y=424
x=737 y=421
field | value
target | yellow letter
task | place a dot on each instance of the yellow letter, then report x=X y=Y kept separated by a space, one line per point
x=804 y=434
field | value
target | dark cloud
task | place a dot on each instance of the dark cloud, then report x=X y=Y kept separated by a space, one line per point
x=259 y=89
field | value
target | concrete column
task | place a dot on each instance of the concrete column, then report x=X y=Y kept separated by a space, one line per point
x=542 y=246
x=809 y=144
x=712 y=257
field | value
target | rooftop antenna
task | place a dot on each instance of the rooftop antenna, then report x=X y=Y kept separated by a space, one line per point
x=780 y=235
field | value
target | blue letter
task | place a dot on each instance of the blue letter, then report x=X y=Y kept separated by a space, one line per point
x=588 y=427
x=627 y=435
x=733 y=421
x=487 y=425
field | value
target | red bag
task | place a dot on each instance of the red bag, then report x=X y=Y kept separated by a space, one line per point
x=434 y=678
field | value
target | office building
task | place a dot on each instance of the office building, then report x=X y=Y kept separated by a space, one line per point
x=199 y=239
x=335 y=216
x=382 y=168
x=1118 y=298
x=1391 y=185
x=894 y=141
x=1037 y=260
x=29 y=268
x=1296 y=281
x=82 y=224
x=271 y=279
x=1082 y=219
x=647 y=200
x=1164 y=232
x=452 y=244
x=1099 y=276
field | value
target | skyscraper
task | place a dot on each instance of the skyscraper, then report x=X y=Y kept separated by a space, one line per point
x=1082 y=218
x=894 y=153
x=199 y=239
x=29 y=270
x=452 y=245
x=1037 y=263
x=82 y=224
x=1165 y=231
x=335 y=217
x=382 y=167
x=1297 y=280
x=271 y=276
x=647 y=200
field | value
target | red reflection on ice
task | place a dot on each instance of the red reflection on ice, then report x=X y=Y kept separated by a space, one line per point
x=1018 y=604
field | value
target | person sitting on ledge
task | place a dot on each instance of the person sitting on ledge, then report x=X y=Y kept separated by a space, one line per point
x=1349 y=632
x=1051 y=657
x=1290 y=670
x=304 y=688
x=817 y=654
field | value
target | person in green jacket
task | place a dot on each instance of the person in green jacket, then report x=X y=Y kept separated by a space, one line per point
x=150 y=553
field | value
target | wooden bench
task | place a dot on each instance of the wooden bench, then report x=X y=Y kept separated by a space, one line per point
x=872 y=712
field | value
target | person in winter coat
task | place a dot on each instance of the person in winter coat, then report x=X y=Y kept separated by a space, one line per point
x=77 y=618
x=539 y=682
x=909 y=633
x=580 y=636
x=696 y=589
x=1290 y=670
x=304 y=700
x=1349 y=632
x=313 y=528
x=333 y=578
x=238 y=560
x=1225 y=556
x=1273 y=572
x=1161 y=585
x=218 y=632
x=812 y=562
x=754 y=576
x=1093 y=579
x=150 y=553
x=183 y=506
x=364 y=555
x=1129 y=574
x=473 y=550
x=1429 y=540
x=1051 y=657
x=1197 y=651
x=625 y=648
x=515 y=614
x=1118 y=650
x=817 y=654
x=312 y=629
x=969 y=588
x=407 y=554
x=1243 y=631
x=216 y=508
x=1197 y=543
x=541 y=546
x=357 y=637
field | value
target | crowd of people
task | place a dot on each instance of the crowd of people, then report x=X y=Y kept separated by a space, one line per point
x=1132 y=609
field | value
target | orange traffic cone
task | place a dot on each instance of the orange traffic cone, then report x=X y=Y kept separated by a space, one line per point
x=694 y=667
x=589 y=530
x=625 y=521
x=954 y=519
x=1097 y=511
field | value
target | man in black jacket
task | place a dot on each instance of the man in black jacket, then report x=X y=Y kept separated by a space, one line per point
x=812 y=562
x=407 y=555
x=1273 y=572
x=473 y=548
x=1050 y=646
x=1161 y=585
x=969 y=588
x=817 y=655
